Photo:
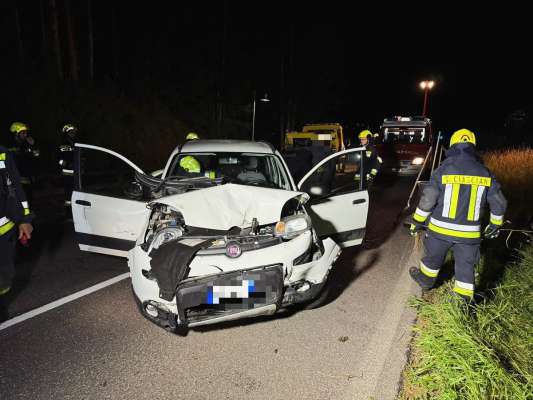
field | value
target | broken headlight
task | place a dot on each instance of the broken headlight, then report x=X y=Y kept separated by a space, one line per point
x=292 y=226
x=166 y=235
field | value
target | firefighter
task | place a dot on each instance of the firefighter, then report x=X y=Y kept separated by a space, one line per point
x=372 y=161
x=69 y=134
x=26 y=154
x=452 y=207
x=14 y=211
x=190 y=163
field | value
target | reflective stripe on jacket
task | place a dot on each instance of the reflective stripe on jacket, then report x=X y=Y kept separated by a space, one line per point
x=14 y=207
x=372 y=162
x=454 y=201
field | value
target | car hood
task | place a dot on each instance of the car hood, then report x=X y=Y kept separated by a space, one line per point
x=225 y=206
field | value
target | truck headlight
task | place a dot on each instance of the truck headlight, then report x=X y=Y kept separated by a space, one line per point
x=417 y=161
x=292 y=226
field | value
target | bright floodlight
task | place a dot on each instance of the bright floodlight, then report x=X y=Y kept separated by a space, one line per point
x=265 y=98
x=427 y=84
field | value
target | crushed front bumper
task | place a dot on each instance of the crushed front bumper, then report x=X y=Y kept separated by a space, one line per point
x=221 y=297
x=228 y=296
x=275 y=285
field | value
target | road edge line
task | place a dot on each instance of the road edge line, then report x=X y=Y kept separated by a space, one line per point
x=58 y=303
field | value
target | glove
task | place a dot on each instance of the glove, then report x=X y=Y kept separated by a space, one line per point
x=491 y=231
x=415 y=228
x=370 y=178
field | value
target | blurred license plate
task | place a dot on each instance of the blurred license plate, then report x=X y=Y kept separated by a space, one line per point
x=218 y=294
x=234 y=290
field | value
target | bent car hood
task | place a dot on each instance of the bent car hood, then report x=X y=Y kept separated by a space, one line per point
x=225 y=206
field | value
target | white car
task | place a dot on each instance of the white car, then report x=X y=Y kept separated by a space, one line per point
x=237 y=239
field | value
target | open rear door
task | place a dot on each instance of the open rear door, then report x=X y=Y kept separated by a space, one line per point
x=339 y=203
x=108 y=207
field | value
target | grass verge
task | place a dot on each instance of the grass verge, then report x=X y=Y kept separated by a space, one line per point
x=481 y=353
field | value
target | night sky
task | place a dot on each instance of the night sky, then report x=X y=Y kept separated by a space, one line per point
x=348 y=64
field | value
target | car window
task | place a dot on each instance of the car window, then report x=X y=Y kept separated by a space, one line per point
x=404 y=135
x=107 y=175
x=254 y=169
x=341 y=174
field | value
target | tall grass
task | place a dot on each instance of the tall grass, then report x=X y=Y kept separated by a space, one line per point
x=475 y=354
x=514 y=170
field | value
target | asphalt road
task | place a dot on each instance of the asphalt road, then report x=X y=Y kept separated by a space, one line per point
x=100 y=347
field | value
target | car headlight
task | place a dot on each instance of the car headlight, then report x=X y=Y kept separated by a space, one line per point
x=417 y=161
x=292 y=226
x=166 y=235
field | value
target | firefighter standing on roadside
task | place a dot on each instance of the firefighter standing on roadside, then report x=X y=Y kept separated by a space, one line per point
x=26 y=154
x=372 y=161
x=452 y=206
x=14 y=211
x=69 y=134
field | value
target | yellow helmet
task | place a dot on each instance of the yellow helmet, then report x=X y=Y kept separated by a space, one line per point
x=69 y=127
x=463 y=136
x=190 y=164
x=17 y=127
x=192 y=136
x=365 y=134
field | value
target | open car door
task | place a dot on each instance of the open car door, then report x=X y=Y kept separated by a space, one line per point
x=339 y=201
x=108 y=207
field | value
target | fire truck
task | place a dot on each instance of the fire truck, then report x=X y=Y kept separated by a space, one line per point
x=403 y=144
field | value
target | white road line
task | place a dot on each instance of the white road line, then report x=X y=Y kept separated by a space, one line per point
x=64 y=300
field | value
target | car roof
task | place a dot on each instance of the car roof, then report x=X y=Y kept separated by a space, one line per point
x=215 y=145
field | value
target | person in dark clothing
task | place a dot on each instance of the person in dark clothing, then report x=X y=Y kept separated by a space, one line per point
x=320 y=149
x=372 y=161
x=66 y=161
x=26 y=155
x=299 y=159
x=14 y=211
x=452 y=205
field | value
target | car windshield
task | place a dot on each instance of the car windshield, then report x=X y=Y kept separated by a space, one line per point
x=263 y=170
x=405 y=135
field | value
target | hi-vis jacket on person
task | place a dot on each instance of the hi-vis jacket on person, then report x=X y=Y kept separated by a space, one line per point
x=372 y=160
x=14 y=208
x=66 y=157
x=454 y=201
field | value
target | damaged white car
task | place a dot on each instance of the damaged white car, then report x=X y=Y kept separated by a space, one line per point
x=235 y=238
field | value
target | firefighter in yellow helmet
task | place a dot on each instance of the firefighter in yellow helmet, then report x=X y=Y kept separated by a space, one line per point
x=372 y=161
x=26 y=155
x=451 y=207
x=189 y=163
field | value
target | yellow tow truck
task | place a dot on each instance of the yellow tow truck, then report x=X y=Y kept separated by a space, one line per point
x=326 y=133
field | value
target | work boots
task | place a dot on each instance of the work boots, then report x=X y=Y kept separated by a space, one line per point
x=425 y=282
